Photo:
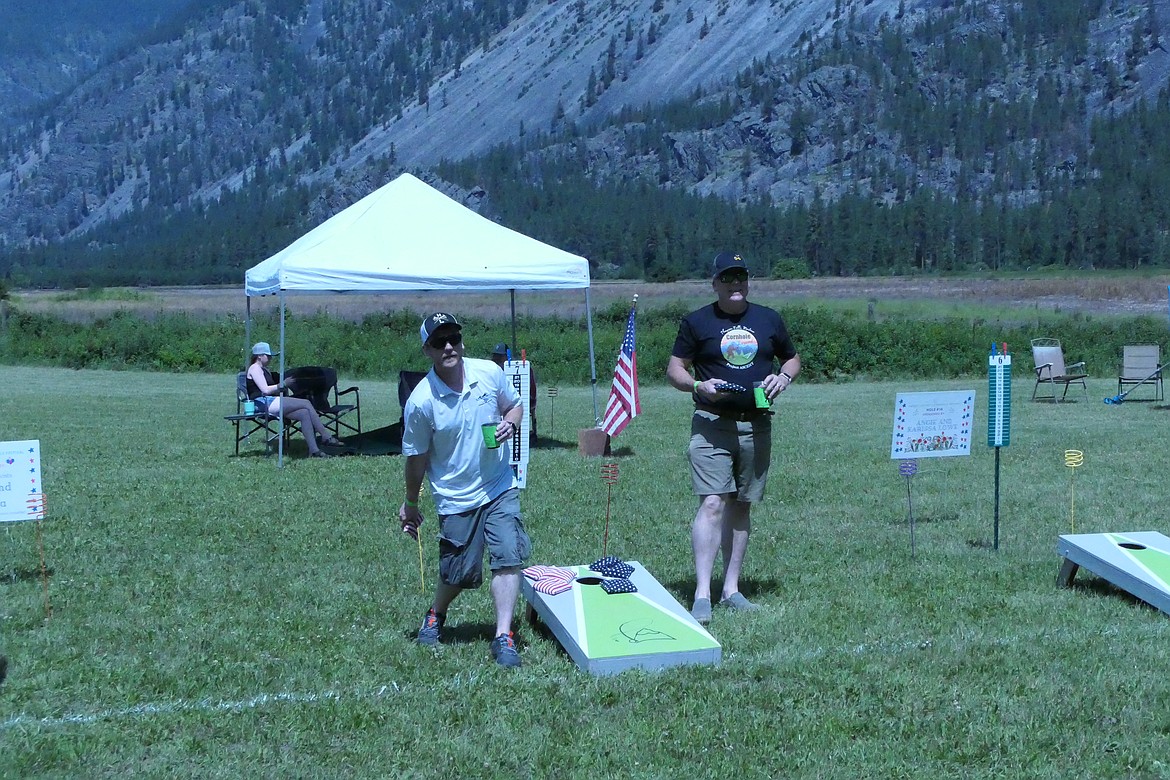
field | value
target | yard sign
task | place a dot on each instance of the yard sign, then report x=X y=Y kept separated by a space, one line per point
x=932 y=425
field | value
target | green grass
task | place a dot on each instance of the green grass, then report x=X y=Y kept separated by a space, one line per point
x=214 y=616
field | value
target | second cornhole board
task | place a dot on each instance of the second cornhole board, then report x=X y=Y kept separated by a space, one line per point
x=1138 y=562
x=608 y=633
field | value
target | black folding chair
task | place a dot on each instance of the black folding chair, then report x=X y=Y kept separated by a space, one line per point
x=318 y=385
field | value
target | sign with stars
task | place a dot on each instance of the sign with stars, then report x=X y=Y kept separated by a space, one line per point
x=22 y=495
x=932 y=425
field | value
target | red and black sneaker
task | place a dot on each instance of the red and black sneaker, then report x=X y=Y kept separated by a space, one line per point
x=432 y=628
x=504 y=651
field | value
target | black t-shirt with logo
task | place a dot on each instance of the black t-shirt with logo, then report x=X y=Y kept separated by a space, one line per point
x=738 y=348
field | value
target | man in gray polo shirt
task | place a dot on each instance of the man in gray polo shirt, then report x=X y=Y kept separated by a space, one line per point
x=474 y=488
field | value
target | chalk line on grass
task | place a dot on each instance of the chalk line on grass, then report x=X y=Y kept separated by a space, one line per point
x=199 y=705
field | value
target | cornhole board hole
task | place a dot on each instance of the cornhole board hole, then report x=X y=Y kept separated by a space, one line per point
x=608 y=633
x=1138 y=562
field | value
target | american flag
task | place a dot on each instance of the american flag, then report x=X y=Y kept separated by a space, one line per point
x=623 y=403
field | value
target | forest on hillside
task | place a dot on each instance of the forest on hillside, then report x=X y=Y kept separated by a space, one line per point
x=981 y=177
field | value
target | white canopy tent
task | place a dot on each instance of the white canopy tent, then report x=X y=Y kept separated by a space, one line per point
x=408 y=236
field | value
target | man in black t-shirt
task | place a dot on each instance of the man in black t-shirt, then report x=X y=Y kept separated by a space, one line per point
x=733 y=347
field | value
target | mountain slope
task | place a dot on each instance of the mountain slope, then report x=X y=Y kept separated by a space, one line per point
x=291 y=109
x=545 y=59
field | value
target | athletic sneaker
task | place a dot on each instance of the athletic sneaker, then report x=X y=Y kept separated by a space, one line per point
x=504 y=651
x=432 y=628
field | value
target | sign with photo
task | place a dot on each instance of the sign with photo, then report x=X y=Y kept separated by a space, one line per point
x=932 y=425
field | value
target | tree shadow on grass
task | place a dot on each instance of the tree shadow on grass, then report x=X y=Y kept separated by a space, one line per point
x=13 y=576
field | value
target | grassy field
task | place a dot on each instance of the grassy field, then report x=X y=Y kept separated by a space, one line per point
x=216 y=617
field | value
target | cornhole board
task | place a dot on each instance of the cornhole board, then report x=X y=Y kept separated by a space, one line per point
x=608 y=633
x=1138 y=562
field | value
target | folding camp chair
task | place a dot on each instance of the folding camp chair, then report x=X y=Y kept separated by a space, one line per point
x=1140 y=365
x=247 y=423
x=318 y=385
x=1052 y=371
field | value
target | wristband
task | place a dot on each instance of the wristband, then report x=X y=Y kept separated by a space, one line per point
x=409 y=503
x=695 y=389
x=785 y=375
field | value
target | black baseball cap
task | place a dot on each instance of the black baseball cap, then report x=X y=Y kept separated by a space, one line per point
x=728 y=261
x=436 y=321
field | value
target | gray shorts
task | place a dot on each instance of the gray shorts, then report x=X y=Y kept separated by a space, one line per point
x=729 y=456
x=497 y=526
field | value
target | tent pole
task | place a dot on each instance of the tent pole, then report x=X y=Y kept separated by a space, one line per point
x=592 y=359
x=280 y=423
x=515 y=347
x=247 y=325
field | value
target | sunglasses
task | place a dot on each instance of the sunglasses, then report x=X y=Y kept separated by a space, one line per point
x=438 y=342
x=731 y=277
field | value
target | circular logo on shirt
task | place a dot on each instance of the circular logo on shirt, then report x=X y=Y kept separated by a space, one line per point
x=739 y=347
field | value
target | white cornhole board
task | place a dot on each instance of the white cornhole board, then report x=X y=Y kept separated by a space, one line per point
x=608 y=633
x=1138 y=562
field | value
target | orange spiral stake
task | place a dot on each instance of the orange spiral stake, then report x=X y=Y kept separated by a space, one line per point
x=609 y=475
x=1073 y=459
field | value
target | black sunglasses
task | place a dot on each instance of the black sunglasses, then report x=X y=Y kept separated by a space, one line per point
x=730 y=277
x=438 y=342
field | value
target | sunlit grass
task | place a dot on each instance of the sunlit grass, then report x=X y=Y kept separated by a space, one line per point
x=215 y=616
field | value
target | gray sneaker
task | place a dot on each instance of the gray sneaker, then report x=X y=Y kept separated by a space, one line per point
x=432 y=628
x=504 y=651
x=739 y=602
x=701 y=611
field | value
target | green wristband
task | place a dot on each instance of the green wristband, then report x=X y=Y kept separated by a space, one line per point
x=409 y=503
x=695 y=389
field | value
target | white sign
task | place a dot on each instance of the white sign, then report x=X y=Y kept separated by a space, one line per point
x=519 y=373
x=932 y=425
x=21 y=494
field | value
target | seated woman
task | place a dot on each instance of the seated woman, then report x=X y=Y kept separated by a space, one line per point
x=265 y=390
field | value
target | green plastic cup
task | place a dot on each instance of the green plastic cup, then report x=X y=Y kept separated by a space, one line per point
x=489 y=435
x=762 y=401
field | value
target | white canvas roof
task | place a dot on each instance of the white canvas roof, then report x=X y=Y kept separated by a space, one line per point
x=409 y=236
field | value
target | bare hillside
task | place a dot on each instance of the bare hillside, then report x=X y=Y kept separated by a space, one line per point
x=545 y=59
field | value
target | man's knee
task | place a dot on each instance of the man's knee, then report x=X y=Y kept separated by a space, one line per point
x=712 y=504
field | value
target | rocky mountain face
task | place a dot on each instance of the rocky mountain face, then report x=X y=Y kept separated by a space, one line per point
x=46 y=49
x=783 y=100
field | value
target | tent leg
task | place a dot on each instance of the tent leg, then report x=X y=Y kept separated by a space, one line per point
x=592 y=359
x=280 y=423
